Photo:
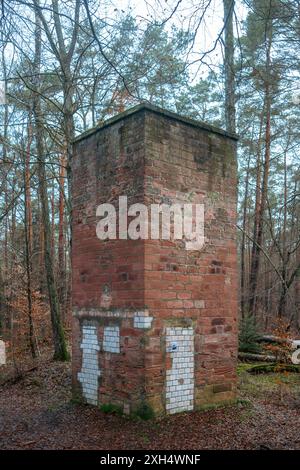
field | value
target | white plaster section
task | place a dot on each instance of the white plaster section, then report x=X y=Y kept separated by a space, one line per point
x=142 y=321
x=180 y=378
x=90 y=365
x=106 y=313
x=2 y=353
x=111 y=339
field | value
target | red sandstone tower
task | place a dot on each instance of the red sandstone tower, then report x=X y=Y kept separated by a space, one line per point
x=154 y=324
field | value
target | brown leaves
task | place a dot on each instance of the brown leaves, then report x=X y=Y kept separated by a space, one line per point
x=36 y=413
x=18 y=331
x=282 y=349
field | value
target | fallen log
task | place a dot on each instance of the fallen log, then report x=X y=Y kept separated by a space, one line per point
x=272 y=339
x=273 y=368
x=256 y=357
x=295 y=343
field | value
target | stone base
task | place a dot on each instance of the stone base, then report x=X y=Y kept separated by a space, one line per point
x=127 y=360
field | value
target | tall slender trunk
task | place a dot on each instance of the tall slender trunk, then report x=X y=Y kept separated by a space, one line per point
x=4 y=186
x=28 y=240
x=243 y=247
x=53 y=222
x=258 y=187
x=60 y=348
x=255 y=265
x=41 y=263
x=285 y=256
x=228 y=6
x=64 y=50
x=61 y=237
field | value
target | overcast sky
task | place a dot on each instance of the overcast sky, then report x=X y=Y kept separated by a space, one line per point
x=187 y=14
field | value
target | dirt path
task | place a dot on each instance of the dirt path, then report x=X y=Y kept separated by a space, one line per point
x=36 y=413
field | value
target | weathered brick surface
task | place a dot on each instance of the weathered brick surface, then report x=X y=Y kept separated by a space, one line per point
x=148 y=287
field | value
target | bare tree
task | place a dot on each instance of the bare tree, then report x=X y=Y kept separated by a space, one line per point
x=60 y=348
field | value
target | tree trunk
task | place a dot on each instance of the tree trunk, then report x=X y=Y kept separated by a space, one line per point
x=4 y=187
x=228 y=6
x=254 y=250
x=243 y=247
x=61 y=238
x=60 y=348
x=53 y=222
x=255 y=264
x=28 y=240
x=285 y=256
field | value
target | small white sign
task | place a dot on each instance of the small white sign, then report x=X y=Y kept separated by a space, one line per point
x=2 y=92
x=2 y=353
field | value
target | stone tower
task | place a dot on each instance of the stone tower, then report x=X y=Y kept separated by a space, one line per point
x=154 y=323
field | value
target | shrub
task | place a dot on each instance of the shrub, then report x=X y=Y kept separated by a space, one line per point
x=282 y=348
x=248 y=335
x=144 y=411
x=111 y=408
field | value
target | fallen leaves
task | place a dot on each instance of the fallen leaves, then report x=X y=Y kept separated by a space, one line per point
x=37 y=413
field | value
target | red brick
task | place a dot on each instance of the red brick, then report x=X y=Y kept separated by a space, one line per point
x=155 y=158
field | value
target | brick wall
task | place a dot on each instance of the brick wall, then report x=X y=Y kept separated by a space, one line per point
x=148 y=291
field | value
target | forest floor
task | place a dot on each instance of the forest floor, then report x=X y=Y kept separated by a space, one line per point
x=36 y=412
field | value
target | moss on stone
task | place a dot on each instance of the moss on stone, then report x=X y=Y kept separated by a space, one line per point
x=144 y=411
x=111 y=408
